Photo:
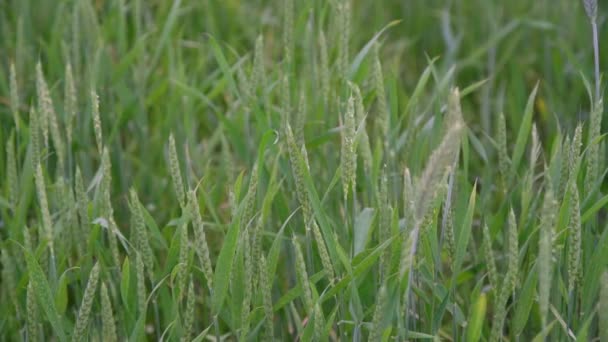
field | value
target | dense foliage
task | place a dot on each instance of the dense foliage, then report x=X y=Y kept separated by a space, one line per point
x=312 y=170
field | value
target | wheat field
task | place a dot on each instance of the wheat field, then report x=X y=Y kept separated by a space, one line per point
x=265 y=170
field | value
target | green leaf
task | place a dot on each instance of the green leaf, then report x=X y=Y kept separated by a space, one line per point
x=354 y=67
x=61 y=293
x=224 y=66
x=363 y=223
x=465 y=232
x=223 y=267
x=524 y=132
x=477 y=318
x=523 y=305
x=125 y=282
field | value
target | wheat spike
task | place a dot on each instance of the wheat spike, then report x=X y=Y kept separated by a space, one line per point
x=70 y=103
x=35 y=136
x=489 y=255
x=593 y=151
x=325 y=259
x=591 y=9
x=82 y=202
x=14 y=95
x=189 y=314
x=176 y=175
x=344 y=22
x=300 y=119
x=49 y=119
x=248 y=279
x=382 y=103
x=258 y=77
x=362 y=139
x=47 y=223
x=298 y=173
x=384 y=225
x=288 y=27
x=251 y=197
x=141 y=285
x=574 y=240
x=96 y=121
x=43 y=105
x=85 y=306
x=106 y=184
x=141 y=237
x=107 y=316
x=202 y=249
x=509 y=282
x=324 y=74
x=377 y=324
x=503 y=158
x=183 y=267
x=319 y=323
x=33 y=315
x=302 y=276
x=266 y=288
x=11 y=172
x=545 y=266
x=603 y=310
x=575 y=153
x=348 y=156
x=439 y=162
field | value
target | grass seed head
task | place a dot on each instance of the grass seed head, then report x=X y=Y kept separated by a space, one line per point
x=70 y=103
x=176 y=175
x=85 y=307
x=14 y=95
x=574 y=240
x=108 y=323
x=96 y=121
x=202 y=248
